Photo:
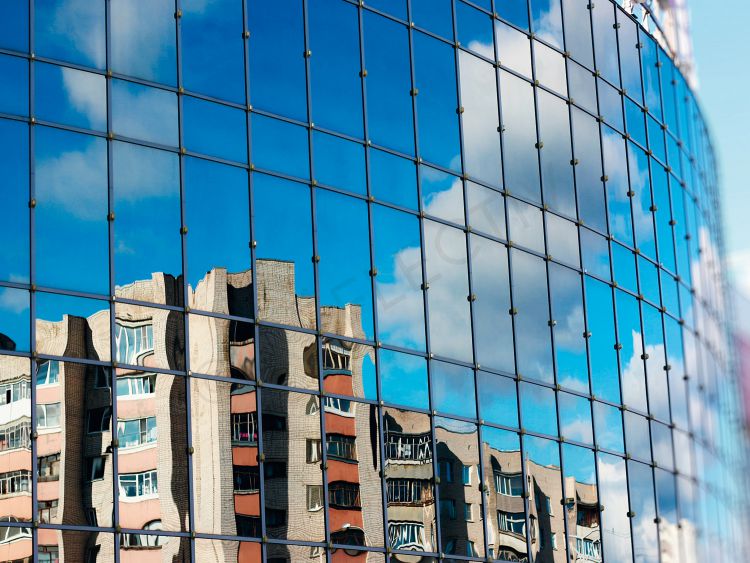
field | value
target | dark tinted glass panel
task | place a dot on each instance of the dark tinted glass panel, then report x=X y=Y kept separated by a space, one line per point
x=71 y=212
x=277 y=68
x=334 y=66
x=588 y=171
x=389 y=106
x=212 y=48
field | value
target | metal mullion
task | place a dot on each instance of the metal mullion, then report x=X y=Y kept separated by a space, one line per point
x=254 y=281
x=32 y=298
x=185 y=293
x=316 y=277
x=112 y=288
x=512 y=301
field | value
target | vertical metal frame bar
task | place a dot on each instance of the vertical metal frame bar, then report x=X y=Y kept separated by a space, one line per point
x=32 y=294
x=112 y=301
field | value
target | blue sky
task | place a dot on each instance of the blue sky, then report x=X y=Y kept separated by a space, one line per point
x=722 y=52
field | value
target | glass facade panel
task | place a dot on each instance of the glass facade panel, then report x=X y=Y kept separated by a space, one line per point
x=333 y=280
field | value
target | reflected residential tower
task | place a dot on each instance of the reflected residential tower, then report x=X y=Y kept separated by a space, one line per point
x=327 y=281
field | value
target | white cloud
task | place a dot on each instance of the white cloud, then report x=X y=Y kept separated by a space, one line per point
x=81 y=21
x=87 y=93
x=14 y=300
x=76 y=181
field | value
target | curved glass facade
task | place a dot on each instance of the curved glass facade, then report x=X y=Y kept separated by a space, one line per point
x=308 y=280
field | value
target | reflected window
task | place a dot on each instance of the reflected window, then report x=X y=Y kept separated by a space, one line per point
x=15 y=436
x=246 y=479
x=343 y=495
x=95 y=468
x=47 y=373
x=98 y=420
x=48 y=416
x=133 y=343
x=509 y=485
x=409 y=492
x=12 y=392
x=514 y=522
x=314 y=497
x=136 y=386
x=12 y=482
x=245 y=427
x=129 y=541
x=339 y=446
x=409 y=536
x=8 y=534
x=48 y=468
x=138 y=485
x=137 y=432
x=336 y=405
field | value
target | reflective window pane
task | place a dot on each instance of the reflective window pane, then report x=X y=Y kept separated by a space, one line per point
x=613 y=492
x=442 y=195
x=276 y=65
x=557 y=173
x=14 y=25
x=336 y=88
x=569 y=329
x=212 y=48
x=529 y=279
x=493 y=329
x=398 y=283
x=144 y=113
x=389 y=106
x=216 y=204
x=392 y=178
x=14 y=73
x=71 y=31
x=69 y=96
x=436 y=102
x=546 y=21
x=87 y=321
x=146 y=187
x=537 y=405
x=434 y=15
x=403 y=379
x=15 y=331
x=605 y=380
x=497 y=399
x=339 y=163
x=71 y=212
x=453 y=389
x=481 y=123
x=344 y=273
x=513 y=49
x=143 y=39
x=450 y=325
x=521 y=155
x=283 y=230
x=280 y=146
x=214 y=129
x=486 y=209
x=14 y=213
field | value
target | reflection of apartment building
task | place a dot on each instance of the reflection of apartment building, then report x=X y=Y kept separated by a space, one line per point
x=76 y=431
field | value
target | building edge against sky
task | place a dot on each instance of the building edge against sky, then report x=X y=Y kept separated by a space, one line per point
x=387 y=281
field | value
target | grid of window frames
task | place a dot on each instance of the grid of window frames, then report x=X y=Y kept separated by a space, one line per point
x=318 y=279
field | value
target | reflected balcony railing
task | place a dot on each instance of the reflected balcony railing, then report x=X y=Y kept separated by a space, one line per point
x=408 y=447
